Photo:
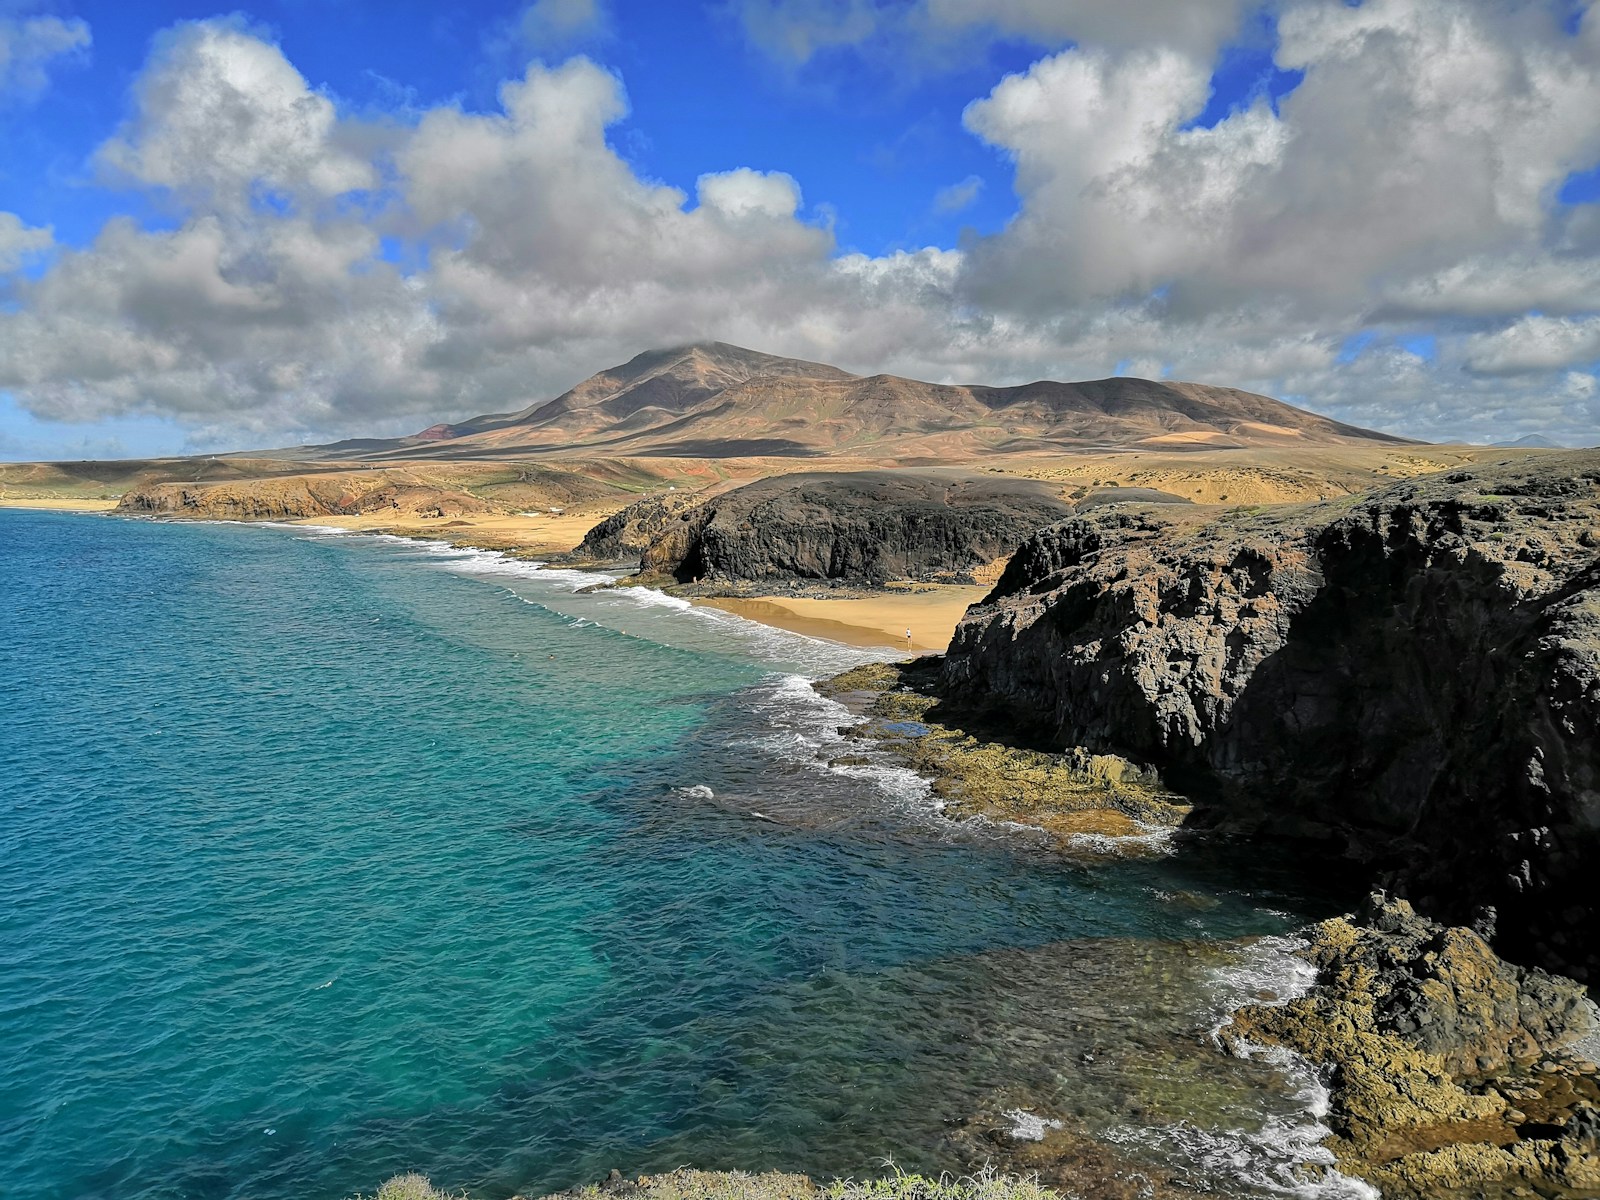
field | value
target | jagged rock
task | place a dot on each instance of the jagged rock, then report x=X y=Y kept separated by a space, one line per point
x=861 y=528
x=1423 y=1033
x=1413 y=676
x=627 y=534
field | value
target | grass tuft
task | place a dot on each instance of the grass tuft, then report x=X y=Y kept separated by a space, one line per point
x=985 y=1185
x=411 y=1186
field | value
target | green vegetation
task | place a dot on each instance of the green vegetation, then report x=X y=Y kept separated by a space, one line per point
x=409 y=1187
x=986 y=1185
x=686 y=1184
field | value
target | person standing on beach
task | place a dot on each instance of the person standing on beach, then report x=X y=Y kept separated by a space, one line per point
x=908 y=639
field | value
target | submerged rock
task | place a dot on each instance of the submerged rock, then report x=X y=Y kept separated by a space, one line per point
x=1413 y=677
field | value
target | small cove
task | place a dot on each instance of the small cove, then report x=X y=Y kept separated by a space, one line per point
x=332 y=856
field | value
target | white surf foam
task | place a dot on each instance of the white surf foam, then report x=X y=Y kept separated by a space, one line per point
x=1150 y=840
x=604 y=599
x=1268 y=971
x=1027 y=1126
x=805 y=731
x=1285 y=1155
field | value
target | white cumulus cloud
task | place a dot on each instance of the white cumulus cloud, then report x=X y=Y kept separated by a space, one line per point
x=325 y=277
x=20 y=242
x=221 y=113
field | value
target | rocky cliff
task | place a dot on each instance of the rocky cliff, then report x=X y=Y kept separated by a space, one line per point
x=1412 y=677
x=294 y=497
x=861 y=528
x=630 y=533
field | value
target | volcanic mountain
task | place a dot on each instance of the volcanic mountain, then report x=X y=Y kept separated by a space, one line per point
x=717 y=400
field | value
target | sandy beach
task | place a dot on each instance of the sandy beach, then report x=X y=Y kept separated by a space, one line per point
x=57 y=503
x=523 y=533
x=931 y=613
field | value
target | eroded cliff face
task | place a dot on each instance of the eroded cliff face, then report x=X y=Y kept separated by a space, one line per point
x=1414 y=677
x=294 y=497
x=862 y=528
x=630 y=533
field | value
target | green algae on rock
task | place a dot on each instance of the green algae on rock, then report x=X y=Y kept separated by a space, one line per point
x=1453 y=1073
x=1088 y=803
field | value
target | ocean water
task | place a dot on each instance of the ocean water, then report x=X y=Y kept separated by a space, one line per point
x=324 y=857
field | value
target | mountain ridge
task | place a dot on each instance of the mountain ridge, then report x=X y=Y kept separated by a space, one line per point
x=714 y=399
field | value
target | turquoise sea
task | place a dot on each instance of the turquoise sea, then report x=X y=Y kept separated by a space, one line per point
x=324 y=857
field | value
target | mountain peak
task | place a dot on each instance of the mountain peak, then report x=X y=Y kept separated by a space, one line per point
x=712 y=399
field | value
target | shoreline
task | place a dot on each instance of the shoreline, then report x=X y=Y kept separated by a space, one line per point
x=57 y=503
x=872 y=622
x=869 y=622
x=877 y=619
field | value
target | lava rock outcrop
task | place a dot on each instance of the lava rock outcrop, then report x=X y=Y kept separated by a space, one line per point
x=859 y=528
x=1413 y=676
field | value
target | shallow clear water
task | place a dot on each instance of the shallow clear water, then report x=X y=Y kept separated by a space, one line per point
x=327 y=857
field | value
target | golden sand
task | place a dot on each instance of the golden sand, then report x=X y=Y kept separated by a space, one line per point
x=528 y=532
x=930 y=612
x=58 y=503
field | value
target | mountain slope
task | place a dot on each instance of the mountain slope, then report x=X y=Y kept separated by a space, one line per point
x=713 y=399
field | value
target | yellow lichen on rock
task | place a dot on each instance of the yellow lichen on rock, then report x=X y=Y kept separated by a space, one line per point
x=1425 y=1034
x=1088 y=803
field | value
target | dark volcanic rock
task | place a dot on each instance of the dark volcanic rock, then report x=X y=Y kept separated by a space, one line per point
x=862 y=528
x=1415 y=677
x=627 y=534
x=1425 y=1036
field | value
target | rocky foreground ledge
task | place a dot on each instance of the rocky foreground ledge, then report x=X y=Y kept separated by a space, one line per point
x=1452 y=1072
x=1410 y=677
x=1451 y=1075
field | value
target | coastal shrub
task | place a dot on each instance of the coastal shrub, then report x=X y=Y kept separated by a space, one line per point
x=410 y=1186
x=688 y=1184
x=986 y=1185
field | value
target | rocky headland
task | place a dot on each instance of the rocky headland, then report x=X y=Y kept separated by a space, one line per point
x=295 y=498
x=860 y=528
x=1411 y=678
x=296 y=494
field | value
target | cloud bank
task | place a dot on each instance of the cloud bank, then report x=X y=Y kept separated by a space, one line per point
x=1386 y=245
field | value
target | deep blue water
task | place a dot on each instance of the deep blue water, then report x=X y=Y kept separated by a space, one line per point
x=323 y=858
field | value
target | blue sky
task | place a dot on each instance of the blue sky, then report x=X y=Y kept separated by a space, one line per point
x=299 y=220
x=873 y=146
